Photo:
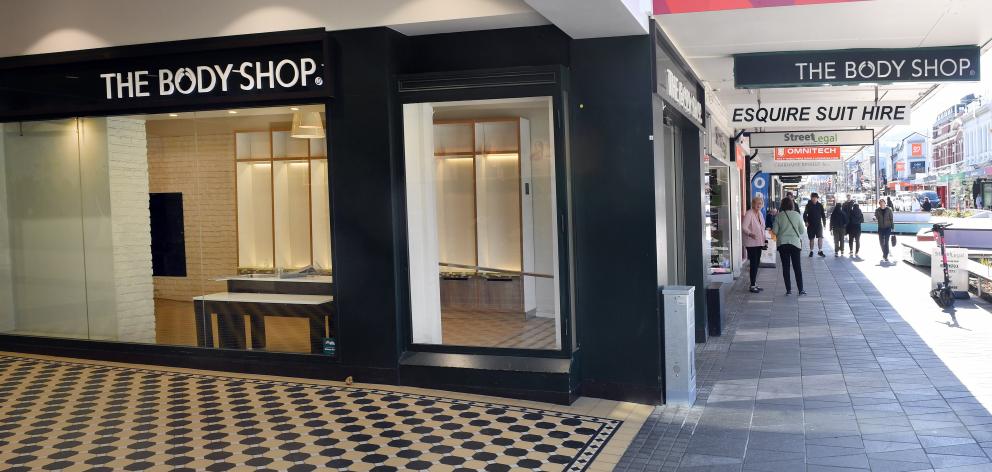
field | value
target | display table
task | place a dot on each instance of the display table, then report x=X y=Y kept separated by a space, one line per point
x=232 y=307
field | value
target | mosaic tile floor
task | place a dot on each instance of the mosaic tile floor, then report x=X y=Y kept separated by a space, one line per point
x=65 y=415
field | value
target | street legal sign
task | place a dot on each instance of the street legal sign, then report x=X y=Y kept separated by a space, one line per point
x=854 y=66
x=851 y=137
x=770 y=115
x=807 y=152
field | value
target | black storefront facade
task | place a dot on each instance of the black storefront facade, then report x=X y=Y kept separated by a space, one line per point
x=604 y=135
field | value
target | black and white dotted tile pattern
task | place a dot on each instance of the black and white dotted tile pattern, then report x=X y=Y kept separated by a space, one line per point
x=75 y=416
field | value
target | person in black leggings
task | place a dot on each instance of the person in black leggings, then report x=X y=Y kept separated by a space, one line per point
x=789 y=231
x=753 y=228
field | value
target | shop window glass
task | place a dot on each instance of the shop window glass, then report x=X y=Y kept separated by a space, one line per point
x=172 y=229
x=482 y=224
x=718 y=223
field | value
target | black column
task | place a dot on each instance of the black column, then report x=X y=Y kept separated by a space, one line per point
x=612 y=170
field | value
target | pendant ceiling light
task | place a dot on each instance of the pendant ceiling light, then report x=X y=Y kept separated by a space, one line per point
x=307 y=124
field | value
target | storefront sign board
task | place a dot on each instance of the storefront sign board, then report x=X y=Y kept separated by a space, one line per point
x=821 y=114
x=674 y=81
x=195 y=74
x=775 y=162
x=854 y=137
x=808 y=152
x=854 y=66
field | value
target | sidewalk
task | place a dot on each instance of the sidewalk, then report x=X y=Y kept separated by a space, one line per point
x=865 y=373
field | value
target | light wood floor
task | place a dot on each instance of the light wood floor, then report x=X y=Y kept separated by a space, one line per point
x=174 y=325
x=489 y=329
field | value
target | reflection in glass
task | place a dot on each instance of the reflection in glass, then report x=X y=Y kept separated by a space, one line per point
x=240 y=204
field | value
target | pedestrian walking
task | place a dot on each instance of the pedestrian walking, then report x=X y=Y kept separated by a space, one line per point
x=815 y=218
x=789 y=230
x=886 y=221
x=770 y=218
x=854 y=220
x=838 y=227
x=753 y=227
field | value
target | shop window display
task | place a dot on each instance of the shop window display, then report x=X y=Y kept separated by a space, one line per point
x=480 y=197
x=169 y=229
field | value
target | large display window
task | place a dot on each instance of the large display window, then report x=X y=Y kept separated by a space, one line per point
x=207 y=229
x=482 y=224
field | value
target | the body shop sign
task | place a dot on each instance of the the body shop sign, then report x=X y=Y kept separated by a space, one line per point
x=854 y=66
x=683 y=96
x=673 y=80
x=284 y=74
x=290 y=66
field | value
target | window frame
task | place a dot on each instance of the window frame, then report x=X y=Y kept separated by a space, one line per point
x=494 y=84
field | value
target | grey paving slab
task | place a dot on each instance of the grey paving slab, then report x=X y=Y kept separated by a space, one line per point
x=865 y=373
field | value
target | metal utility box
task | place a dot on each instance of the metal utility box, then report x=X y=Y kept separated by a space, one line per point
x=680 y=344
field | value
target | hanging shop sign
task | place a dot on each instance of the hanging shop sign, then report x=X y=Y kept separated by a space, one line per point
x=852 y=137
x=819 y=114
x=199 y=73
x=802 y=160
x=917 y=167
x=854 y=66
x=674 y=81
x=808 y=152
x=901 y=166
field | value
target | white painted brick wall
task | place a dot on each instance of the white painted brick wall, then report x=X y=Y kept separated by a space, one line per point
x=131 y=230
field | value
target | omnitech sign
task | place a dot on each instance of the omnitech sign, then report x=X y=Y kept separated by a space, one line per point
x=854 y=137
x=801 y=160
x=819 y=114
x=809 y=152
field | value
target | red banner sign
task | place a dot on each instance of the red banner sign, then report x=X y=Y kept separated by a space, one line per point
x=900 y=166
x=807 y=152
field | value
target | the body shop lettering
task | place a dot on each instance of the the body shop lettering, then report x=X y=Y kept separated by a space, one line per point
x=685 y=97
x=248 y=75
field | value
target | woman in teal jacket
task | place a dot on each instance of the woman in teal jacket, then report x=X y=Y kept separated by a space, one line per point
x=788 y=229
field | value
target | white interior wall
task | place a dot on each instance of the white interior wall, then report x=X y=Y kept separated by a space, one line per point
x=538 y=114
x=425 y=289
x=6 y=292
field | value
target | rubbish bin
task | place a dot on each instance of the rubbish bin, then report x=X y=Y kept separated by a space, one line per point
x=680 y=344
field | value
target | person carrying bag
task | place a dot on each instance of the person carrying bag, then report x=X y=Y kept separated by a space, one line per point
x=788 y=229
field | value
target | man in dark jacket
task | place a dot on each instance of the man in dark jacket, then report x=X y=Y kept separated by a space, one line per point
x=838 y=226
x=927 y=206
x=815 y=218
x=886 y=221
x=854 y=220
